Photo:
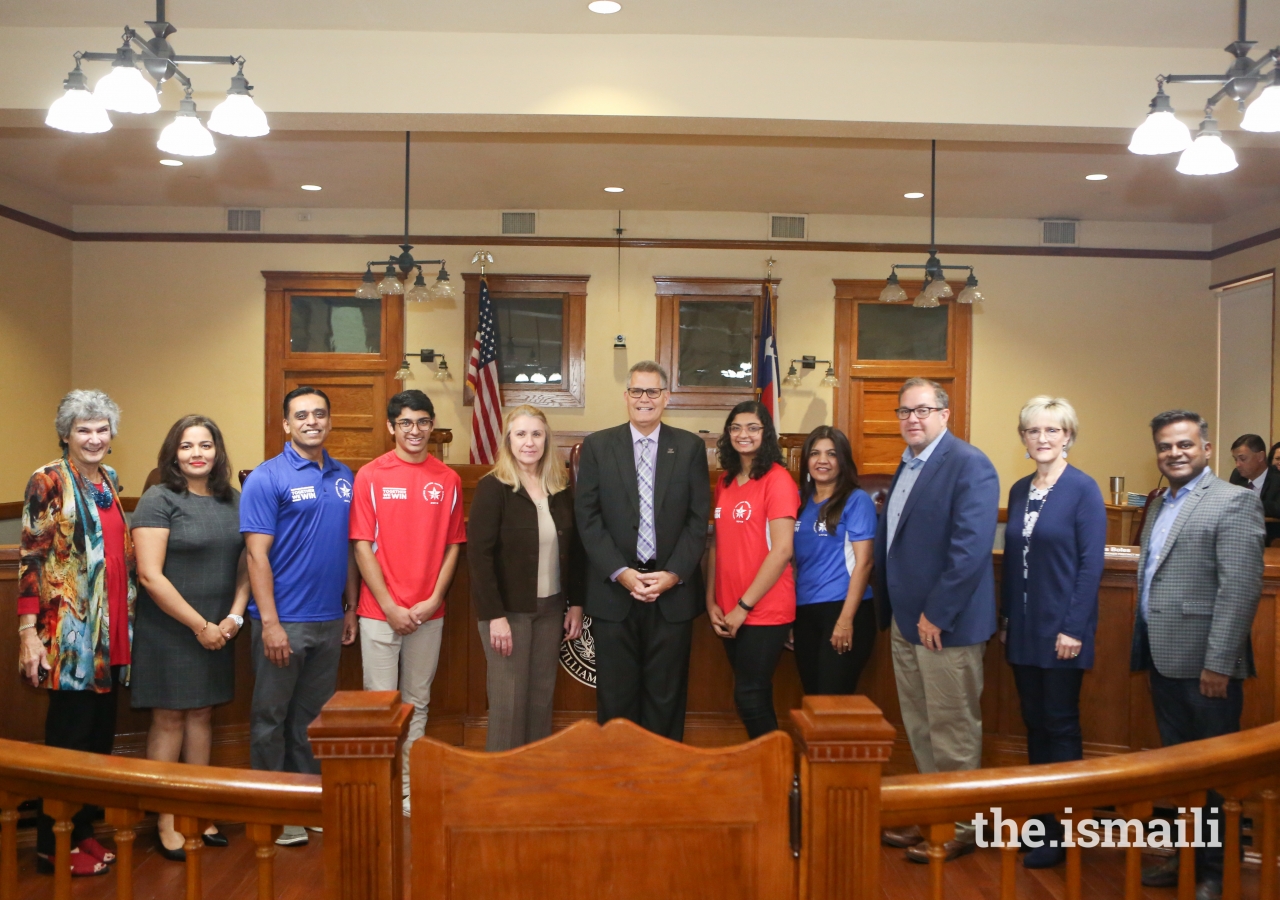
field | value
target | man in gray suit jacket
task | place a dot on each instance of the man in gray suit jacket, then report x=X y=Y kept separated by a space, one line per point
x=1201 y=576
x=642 y=498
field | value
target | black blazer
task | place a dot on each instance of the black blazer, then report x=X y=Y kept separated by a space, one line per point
x=1270 y=497
x=502 y=549
x=608 y=508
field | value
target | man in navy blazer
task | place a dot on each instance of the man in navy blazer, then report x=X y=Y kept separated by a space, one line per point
x=935 y=588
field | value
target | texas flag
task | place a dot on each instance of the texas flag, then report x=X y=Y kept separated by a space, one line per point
x=768 y=377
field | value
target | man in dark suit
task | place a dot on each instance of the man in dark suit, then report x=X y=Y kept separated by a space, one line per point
x=1254 y=471
x=643 y=497
x=936 y=590
x=1200 y=577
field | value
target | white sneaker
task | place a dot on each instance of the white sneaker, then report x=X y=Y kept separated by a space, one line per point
x=316 y=828
x=293 y=836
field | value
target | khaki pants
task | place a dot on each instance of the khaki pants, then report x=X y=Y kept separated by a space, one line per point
x=405 y=662
x=940 y=693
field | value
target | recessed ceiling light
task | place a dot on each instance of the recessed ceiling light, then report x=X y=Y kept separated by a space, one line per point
x=1097 y=177
x=613 y=190
x=604 y=7
x=311 y=187
x=170 y=162
x=913 y=195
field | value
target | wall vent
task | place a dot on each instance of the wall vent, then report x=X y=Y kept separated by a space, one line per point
x=519 y=223
x=1059 y=233
x=787 y=227
x=244 y=220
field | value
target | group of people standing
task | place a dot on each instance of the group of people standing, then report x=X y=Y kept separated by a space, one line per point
x=315 y=556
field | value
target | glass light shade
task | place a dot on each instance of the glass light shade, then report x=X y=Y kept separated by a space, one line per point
x=404 y=373
x=368 y=289
x=78 y=111
x=238 y=116
x=1207 y=155
x=444 y=375
x=1263 y=114
x=1160 y=132
x=185 y=135
x=442 y=290
x=970 y=295
x=830 y=380
x=419 y=293
x=927 y=298
x=538 y=378
x=554 y=378
x=893 y=292
x=125 y=89
x=522 y=378
x=390 y=284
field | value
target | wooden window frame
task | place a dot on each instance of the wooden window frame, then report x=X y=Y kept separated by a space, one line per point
x=572 y=290
x=957 y=367
x=279 y=355
x=670 y=291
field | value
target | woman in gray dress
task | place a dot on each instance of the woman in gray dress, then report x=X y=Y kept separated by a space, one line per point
x=193 y=589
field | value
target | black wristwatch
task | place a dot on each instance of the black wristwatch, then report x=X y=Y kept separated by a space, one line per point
x=744 y=606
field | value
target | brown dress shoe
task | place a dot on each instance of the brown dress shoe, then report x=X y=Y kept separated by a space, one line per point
x=901 y=837
x=953 y=849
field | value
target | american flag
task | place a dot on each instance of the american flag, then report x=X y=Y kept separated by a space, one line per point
x=482 y=378
x=767 y=380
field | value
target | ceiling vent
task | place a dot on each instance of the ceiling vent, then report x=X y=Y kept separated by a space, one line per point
x=519 y=223
x=244 y=220
x=786 y=227
x=1059 y=233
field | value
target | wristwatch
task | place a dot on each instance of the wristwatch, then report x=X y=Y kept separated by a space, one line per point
x=239 y=620
x=744 y=606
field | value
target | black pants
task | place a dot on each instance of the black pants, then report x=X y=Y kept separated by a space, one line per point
x=1051 y=710
x=1184 y=714
x=77 y=720
x=822 y=669
x=642 y=669
x=754 y=655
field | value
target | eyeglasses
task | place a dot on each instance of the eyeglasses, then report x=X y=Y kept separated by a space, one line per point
x=651 y=393
x=1050 y=433
x=921 y=412
x=752 y=430
x=407 y=425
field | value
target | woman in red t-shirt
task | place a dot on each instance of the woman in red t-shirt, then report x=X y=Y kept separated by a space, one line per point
x=751 y=594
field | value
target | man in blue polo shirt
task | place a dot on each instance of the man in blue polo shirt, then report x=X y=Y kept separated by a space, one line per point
x=293 y=514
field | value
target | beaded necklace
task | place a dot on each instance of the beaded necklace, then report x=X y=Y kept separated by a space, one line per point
x=102 y=497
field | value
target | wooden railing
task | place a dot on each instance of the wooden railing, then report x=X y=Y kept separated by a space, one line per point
x=357 y=737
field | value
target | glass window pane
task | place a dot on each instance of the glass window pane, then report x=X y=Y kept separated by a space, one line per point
x=335 y=325
x=530 y=339
x=902 y=332
x=716 y=343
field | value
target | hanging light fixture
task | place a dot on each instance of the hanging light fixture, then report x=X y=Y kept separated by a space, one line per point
x=126 y=89
x=393 y=283
x=1161 y=132
x=936 y=289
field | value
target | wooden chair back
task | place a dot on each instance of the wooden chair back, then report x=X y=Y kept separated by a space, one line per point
x=603 y=811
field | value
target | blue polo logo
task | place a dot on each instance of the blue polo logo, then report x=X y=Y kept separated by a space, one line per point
x=343 y=489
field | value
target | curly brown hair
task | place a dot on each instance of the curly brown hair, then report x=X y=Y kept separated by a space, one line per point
x=167 y=462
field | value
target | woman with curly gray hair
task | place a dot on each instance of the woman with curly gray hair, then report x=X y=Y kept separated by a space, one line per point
x=75 y=601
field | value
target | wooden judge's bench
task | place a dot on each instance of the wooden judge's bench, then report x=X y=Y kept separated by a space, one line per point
x=1115 y=707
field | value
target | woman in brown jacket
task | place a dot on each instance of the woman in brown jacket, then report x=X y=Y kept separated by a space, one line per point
x=526 y=563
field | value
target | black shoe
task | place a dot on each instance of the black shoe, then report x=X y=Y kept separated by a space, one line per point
x=217 y=839
x=1209 y=889
x=1163 y=874
x=1044 y=857
x=179 y=855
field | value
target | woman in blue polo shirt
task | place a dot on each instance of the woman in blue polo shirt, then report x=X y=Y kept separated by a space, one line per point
x=834 y=629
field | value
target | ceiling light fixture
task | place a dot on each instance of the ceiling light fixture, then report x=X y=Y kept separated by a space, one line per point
x=311 y=187
x=604 y=7
x=1098 y=177
x=371 y=288
x=1161 y=132
x=125 y=89
x=936 y=288
x=914 y=195
x=613 y=190
x=170 y=162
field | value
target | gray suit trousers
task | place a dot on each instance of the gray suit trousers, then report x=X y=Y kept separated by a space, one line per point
x=522 y=686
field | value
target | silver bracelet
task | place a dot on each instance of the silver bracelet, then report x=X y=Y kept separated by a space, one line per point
x=22 y=628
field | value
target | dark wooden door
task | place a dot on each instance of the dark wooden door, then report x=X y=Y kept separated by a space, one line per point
x=319 y=334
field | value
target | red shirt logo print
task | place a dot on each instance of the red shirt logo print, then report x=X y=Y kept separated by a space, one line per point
x=433 y=493
x=742 y=512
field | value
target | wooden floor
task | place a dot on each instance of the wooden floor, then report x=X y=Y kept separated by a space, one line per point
x=229 y=875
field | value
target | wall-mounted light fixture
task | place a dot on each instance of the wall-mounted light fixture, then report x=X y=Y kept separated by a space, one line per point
x=810 y=362
x=442 y=366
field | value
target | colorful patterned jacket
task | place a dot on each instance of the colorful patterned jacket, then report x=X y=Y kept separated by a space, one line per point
x=63 y=566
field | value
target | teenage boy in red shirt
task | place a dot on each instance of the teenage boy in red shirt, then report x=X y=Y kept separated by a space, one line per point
x=406 y=524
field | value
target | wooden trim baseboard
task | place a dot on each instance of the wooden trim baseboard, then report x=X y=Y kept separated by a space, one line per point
x=11 y=510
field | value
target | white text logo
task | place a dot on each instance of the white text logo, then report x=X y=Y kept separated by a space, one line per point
x=742 y=512
x=433 y=493
x=303 y=493
x=390 y=493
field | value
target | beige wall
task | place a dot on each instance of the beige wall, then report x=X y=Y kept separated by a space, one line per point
x=35 y=349
x=1100 y=332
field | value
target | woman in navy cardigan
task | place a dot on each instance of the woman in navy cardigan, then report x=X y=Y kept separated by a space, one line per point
x=1053 y=558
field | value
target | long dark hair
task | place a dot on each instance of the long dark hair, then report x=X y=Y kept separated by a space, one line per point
x=167 y=462
x=1271 y=454
x=769 y=452
x=846 y=478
